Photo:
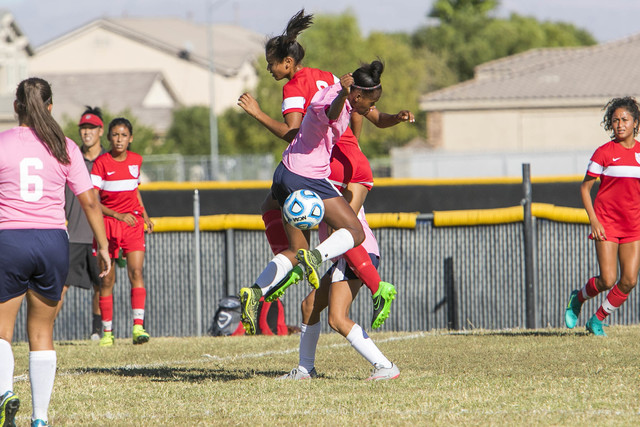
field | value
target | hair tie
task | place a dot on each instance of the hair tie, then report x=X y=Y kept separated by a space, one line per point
x=366 y=88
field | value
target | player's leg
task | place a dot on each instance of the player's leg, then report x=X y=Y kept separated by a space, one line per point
x=348 y=234
x=41 y=314
x=607 y=253
x=135 y=264
x=341 y=295
x=629 y=256
x=274 y=228
x=106 y=305
x=9 y=402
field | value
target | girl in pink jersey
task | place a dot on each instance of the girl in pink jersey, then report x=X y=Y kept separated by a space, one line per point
x=36 y=161
x=614 y=215
x=284 y=57
x=116 y=176
x=306 y=164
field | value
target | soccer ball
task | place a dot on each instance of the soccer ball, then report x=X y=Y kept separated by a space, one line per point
x=303 y=209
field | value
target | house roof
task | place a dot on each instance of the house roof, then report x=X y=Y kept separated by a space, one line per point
x=232 y=44
x=7 y=19
x=114 y=92
x=553 y=77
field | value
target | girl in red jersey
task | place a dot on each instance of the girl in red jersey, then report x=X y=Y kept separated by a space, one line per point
x=284 y=56
x=614 y=215
x=36 y=162
x=116 y=176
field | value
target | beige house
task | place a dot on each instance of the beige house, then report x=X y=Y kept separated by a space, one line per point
x=543 y=100
x=175 y=48
x=15 y=52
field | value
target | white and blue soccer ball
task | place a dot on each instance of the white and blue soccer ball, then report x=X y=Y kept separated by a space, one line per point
x=303 y=209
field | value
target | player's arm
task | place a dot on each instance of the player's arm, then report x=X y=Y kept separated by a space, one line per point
x=145 y=216
x=597 y=230
x=384 y=120
x=129 y=218
x=286 y=130
x=338 y=103
x=91 y=206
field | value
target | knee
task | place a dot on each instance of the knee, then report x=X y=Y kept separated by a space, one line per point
x=335 y=321
x=604 y=283
x=626 y=285
x=358 y=236
x=135 y=274
x=306 y=307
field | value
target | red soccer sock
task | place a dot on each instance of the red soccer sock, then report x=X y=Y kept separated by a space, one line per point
x=138 y=299
x=588 y=291
x=274 y=229
x=106 y=310
x=615 y=298
x=360 y=262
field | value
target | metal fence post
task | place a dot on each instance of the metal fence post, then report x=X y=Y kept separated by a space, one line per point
x=196 y=258
x=529 y=267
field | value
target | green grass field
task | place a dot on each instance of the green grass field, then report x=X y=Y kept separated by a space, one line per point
x=541 y=377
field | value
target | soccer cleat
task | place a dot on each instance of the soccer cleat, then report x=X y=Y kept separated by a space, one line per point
x=311 y=261
x=140 y=336
x=572 y=311
x=107 y=339
x=249 y=300
x=594 y=326
x=382 y=303
x=380 y=373
x=297 y=374
x=9 y=405
x=39 y=423
x=277 y=291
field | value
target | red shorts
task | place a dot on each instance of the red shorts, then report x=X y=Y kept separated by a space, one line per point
x=122 y=235
x=620 y=239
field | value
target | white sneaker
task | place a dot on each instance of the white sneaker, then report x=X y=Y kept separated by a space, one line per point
x=297 y=374
x=380 y=373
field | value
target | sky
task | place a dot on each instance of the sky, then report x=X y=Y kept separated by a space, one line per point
x=44 y=20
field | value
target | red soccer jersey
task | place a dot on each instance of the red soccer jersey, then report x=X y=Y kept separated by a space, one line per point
x=118 y=182
x=617 y=204
x=349 y=164
x=297 y=94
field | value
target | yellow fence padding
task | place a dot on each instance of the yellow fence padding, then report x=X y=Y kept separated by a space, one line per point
x=508 y=215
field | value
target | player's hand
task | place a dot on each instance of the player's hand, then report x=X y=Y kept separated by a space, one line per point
x=104 y=261
x=597 y=232
x=405 y=116
x=129 y=218
x=346 y=81
x=149 y=224
x=249 y=104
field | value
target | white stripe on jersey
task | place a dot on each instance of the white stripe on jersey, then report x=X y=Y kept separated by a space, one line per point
x=338 y=183
x=622 y=171
x=96 y=180
x=120 y=185
x=293 y=102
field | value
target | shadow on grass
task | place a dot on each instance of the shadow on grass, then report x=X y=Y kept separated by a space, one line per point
x=175 y=374
x=536 y=333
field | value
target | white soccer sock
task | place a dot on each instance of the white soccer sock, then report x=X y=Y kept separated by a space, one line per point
x=309 y=335
x=42 y=372
x=365 y=346
x=275 y=271
x=338 y=243
x=6 y=367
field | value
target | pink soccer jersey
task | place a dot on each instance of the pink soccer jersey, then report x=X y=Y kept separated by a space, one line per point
x=309 y=153
x=118 y=182
x=32 y=182
x=617 y=204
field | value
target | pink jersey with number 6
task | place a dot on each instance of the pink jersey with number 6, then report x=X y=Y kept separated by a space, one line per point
x=32 y=181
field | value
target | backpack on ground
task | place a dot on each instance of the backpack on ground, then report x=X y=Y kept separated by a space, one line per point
x=226 y=320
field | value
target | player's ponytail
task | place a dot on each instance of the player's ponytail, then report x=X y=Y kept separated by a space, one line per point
x=279 y=47
x=367 y=77
x=33 y=98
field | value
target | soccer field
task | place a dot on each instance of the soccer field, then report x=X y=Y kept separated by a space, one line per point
x=540 y=377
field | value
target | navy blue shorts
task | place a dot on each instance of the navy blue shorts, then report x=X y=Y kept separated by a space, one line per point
x=33 y=259
x=286 y=182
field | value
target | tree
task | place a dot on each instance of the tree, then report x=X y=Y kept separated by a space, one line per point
x=467 y=35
